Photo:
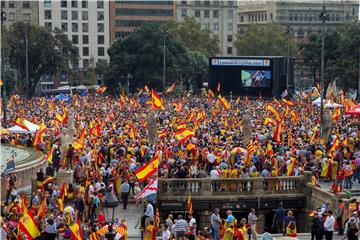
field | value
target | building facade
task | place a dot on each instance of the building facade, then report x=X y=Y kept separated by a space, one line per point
x=24 y=11
x=220 y=17
x=126 y=16
x=301 y=16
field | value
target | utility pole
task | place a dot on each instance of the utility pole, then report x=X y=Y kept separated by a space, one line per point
x=27 y=62
x=165 y=33
x=323 y=17
x=288 y=29
x=4 y=104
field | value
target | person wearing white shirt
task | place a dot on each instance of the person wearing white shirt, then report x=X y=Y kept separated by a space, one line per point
x=214 y=174
x=166 y=234
x=329 y=225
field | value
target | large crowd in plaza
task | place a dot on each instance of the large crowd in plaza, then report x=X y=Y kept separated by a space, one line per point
x=195 y=137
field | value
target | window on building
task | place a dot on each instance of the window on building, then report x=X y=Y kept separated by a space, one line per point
x=85 y=51
x=47 y=14
x=64 y=26
x=74 y=4
x=85 y=15
x=337 y=17
x=74 y=27
x=271 y=16
x=295 y=17
x=84 y=4
x=26 y=17
x=11 y=4
x=101 y=51
x=75 y=39
x=100 y=16
x=230 y=26
x=229 y=50
x=216 y=26
x=215 y=13
x=230 y=13
x=291 y=17
x=100 y=27
x=63 y=3
x=206 y=13
x=86 y=63
x=231 y=3
x=207 y=26
x=229 y=38
x=74 y=15
x=85 y=27
x=206 y=3
x=183 y=12
x=216 y=3
x=100 y=4
x=183 y=2
x=262 y=17
x=197 y=2
x=85 y=39
x=197 y=13
x=11 y=17
x=48 y=26
x=241 y=18
x=64 y=15
x=265 y=17
x=26 y=4
x=101 y=39
x=242 y=31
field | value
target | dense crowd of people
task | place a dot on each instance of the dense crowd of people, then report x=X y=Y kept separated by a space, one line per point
x=112 y=139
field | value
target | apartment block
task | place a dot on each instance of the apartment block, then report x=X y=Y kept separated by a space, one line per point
x=26 y=11
x=220 y=17
x=126 y=16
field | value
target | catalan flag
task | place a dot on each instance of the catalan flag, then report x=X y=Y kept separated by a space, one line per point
x=75 y=231
x=156 y=100
x=28 y=226
x=21 y=123
x=250 y=151
x=223 y=102
x=148 y=169
x=157 y=218
x=101 y=90
x=171 y=88
x=184 y=134
x=189 y=207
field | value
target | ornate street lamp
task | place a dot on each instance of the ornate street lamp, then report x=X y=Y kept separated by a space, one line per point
x=109 y=204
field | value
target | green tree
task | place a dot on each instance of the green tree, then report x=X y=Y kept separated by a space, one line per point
x=264 y=40
x=193 y=37
x=47 y=53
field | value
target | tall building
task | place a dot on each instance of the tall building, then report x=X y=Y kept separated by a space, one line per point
x=126 y=16
x=302 y=16
x=26 y=11
x=218 y=16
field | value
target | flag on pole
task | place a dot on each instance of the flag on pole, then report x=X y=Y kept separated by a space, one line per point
x=218 y=87
x=250 y=151
x=171 y=88
x=156 y=100
x=42 y=209
x=184 y=134
x=75 y=231
x=101 y=90
x=148 y=169
x=21 y=123
x=277 y=132
x=28 y=226
x=284 y=94
x=149 y=189
x=189 y=207
x=223 y=102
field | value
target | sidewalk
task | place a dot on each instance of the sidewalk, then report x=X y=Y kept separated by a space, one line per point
x=132 y=216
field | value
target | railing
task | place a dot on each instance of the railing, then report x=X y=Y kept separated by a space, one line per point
x=230 y=186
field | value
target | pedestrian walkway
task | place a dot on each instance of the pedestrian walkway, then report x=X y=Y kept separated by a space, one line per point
x=132 y=216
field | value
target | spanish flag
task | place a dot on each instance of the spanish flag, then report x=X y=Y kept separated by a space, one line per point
x=21 y=123
x=337 y=114
x=287 y=102
x=59 y=118
x=94 y=236
x=162 y=133
x=269 y=149
x=171 y=88
x=28 y=226
x=184 y=134
x=269 y=121
x=83 y=135
x=101 y=90
x=148 y=169
x=76 y=144
x=156 y=100
x=294 y=116
x=314 y=136
x=75 y=231
x=335 y=146
x=223 y=102
x=277 y=132
x=190 y=147
x=189 y=207
x=48 y=180
x=49 y=156
x=273 y=111
x=291 y=166
x=277 y=102
x=60 y=205
x=42 y=209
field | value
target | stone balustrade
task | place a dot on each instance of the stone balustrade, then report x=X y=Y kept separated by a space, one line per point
x=230 y=186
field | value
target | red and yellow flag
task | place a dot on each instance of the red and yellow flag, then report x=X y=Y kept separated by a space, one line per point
x=335 y=146
x=148 y=169
x=75 y=231
x=49 y=156
x=189 y=207
x=269 y=149
x=184 y=134
x=223 y=102
x=28 y=226
x=218 y=87
x=21 y=123
x=250 y=151
x=42 y=209
x=294 y=116
x=287 y=102
x=101 y=90
x=269 y=121
x=59 y=118
x=291 y=166
x=156 y=100
x=337 y=114
x=314 y=136
x=272 y=110
x=277 y=132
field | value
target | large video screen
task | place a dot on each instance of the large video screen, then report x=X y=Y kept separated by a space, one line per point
x=256 y=78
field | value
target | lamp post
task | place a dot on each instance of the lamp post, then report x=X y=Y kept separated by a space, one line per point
x=323 y=17
x=288 y=30
x=109 y=204
x=4 y=105
x=165 y=34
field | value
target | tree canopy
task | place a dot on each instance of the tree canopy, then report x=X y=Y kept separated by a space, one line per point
x=47 y=53
x=264 y=40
